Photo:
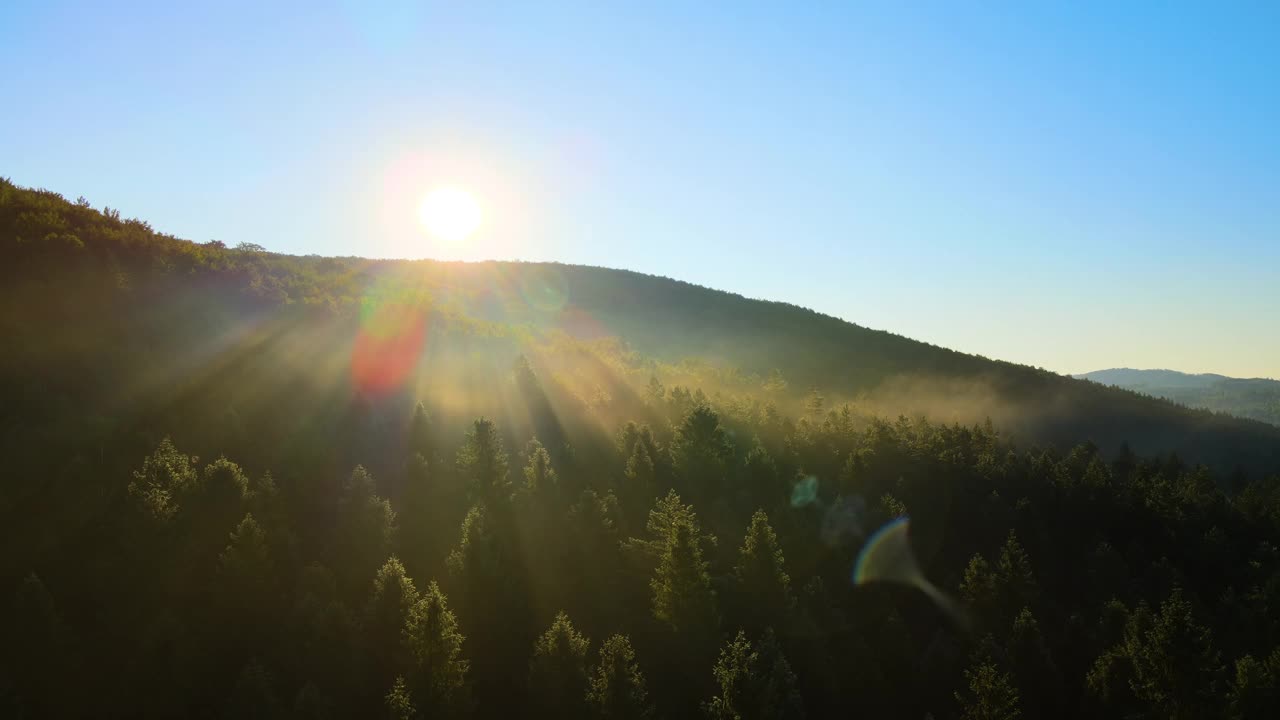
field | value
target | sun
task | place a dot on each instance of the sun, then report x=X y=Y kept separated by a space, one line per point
x=449 y=214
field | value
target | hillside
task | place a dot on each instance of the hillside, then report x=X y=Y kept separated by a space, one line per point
x=1254 y=398
x=135 y=312
x=243 y=484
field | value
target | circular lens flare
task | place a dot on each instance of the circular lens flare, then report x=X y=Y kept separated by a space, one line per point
x=449 y=214
x=387 y=346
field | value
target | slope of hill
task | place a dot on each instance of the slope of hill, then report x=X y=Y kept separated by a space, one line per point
x=133 y=310
x=1254 y=398
x=250 y=485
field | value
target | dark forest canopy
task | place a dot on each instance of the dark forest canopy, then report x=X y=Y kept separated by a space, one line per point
x=246 y=484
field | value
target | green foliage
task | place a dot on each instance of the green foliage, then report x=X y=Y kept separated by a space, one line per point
x=483 y=462
x=168 y=588
x=246 y=563
x=1167 y=660
x=400 y=702
x=1255 y=689
x=438 y=672
x=386 y=614
x=763 y=585
x=540 y=478
x=1176 y=668
x=166 y=476
x=558 y=673
x=1015 y=583
x=700 y=449
x=682 y=593
x=754 y=684
x=618 y=690
x=422 y=439
x=668 y=514
x=990 y=695
x=365 y=530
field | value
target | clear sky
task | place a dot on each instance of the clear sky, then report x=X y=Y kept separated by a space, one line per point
x=1074 y=186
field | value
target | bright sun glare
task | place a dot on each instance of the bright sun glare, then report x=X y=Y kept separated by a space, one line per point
x=449 y=214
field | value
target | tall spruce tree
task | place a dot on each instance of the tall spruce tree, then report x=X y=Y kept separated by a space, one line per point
x=763 y=588
x=438 y=674
x=618 y=690
x=483 y=463
x=558 y=672
x=754 y=683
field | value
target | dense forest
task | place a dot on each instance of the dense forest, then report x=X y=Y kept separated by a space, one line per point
x=1255 y=398
x=242 y=484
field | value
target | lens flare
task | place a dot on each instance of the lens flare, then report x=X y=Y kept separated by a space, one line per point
x=887 y=557
x=387 y=345
x=805 y=492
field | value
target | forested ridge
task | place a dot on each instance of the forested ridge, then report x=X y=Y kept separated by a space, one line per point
x=1255 y=398
x=244 y=484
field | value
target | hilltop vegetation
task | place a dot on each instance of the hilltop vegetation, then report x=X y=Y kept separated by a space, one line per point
x=1255 y=398
x=251 y=485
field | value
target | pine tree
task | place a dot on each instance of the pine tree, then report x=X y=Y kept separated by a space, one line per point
x=438 y=672
x=1176 y=669
x=1255 y=689
x=640 y=484
x=218 y=499
x=632 y=433
x=166 y=476
x=479 y=558
x=617 y=690
x=654 y=393
x=891 y=507
x=1034 y=670
x=592 y=562
x=385 y=615
x=540 y=480
x=246 y=582
x=668 y=513
x=762 y=485
x=814 y=404
x=399 y=702
x=700 y=451
x=682 y=593
x=1015 y=583
x=734 y=674
x=366 y=529
x=990 y=695
x=775 y=382
x=978 y=587
x=558 y=680
x=763 y=586
x=492 y=593
x=246 y=562
x=483 y=463
x=754 y=684
x=779 y=693
x=421 y=439
x=421 y=541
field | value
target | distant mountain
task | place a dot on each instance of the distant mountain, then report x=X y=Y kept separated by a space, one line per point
x=1254 y=398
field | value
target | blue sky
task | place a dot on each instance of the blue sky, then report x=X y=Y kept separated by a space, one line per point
x=1073 y=186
